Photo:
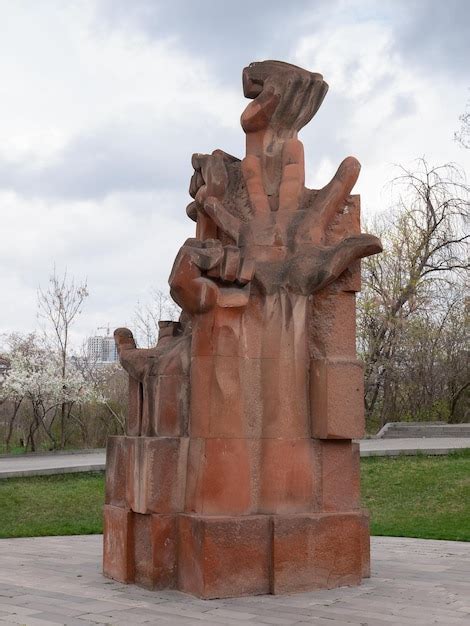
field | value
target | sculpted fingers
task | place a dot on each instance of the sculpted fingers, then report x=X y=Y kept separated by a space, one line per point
x=132 y=359
x=124 y=339
x=197 y=180
x=215 y=176
x=339 y=257
x=246 y=270
x=230 y=263
x=236 y=273
x=209 y=183
x=344 y=180
x=312 y=271
x=210 y=176
x=207 y=254
x=316 y=268
x=360 y=246
x=258 y=113
x=224 y=220
x=333 y=196
x=252 y=173
x=293 y=175
x=329 y=201
x=235 y=267
x=193 y=292
x=192 y=211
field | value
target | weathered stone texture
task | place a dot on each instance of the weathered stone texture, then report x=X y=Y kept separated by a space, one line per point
x=237 y=474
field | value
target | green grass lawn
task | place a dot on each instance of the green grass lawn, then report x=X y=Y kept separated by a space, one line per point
x=427 y=497
x=67 y=504
x=422 y=496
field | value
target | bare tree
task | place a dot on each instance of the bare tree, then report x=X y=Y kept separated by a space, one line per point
x=424 y=251
x=456 y=361
x=59 y=305
x=428 y=372
x=160 y=306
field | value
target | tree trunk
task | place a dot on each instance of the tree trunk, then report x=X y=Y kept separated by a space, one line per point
x=11 y=424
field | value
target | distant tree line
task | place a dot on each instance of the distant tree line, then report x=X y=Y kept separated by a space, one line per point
x=413 y=310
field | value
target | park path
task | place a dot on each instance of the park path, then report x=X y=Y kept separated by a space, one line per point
x=51 y=463
x=57 y=580
x=63 y=463
x=412 y=446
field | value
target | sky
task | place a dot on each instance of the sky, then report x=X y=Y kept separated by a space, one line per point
x=102 y=103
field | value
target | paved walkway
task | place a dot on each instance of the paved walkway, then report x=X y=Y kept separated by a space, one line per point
x=412 y=446
x=51 y=463
x=57 y=580
x=62 y=463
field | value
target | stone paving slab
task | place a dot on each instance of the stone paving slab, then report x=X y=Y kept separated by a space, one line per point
x=63 y=463
x=57 y=580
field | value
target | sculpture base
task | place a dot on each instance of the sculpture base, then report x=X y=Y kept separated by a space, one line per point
x=221 y=557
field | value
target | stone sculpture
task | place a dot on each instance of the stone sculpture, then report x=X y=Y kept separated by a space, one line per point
x=237 y=474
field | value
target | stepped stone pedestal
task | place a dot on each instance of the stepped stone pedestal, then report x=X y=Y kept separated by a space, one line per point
x=237 y=474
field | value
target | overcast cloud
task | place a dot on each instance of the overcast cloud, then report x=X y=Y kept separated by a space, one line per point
x=103 y=102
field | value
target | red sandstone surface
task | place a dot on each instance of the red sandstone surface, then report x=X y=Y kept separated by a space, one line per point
x=237 y=474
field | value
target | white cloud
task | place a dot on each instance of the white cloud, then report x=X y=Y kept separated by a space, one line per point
x=67 y=81
x=391 y=111
x=117 y=244
x=98 y=122
x=353 y=57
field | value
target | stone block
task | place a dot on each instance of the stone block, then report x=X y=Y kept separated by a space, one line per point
x=351 y=281
x=341 y=481
x=337 y=399
x=116 y=471
x=218 y=407
x=239 y=397
x=221 y=477
x=269 y=327
x=118 y=544
x=332 y=325
x=222 y=557
x=365 y=543
x=155 y=550
x=217 y=334
x=171 y=406
x=349 y=224
x=284 y=385
x=135 y=408
x=318 y=551
x=157 y=474
x=290 y=476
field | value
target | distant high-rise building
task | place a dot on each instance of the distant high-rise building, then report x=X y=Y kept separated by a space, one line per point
x=102 y=349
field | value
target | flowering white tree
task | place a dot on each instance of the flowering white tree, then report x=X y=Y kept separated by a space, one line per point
x=35 y=375
x=9 y=400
